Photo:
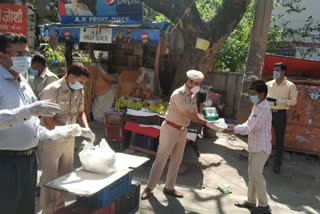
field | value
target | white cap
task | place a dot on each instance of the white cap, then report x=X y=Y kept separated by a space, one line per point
x=195 y=75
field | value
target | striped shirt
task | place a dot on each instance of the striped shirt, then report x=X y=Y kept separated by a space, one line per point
x=258 y=127
x=18 y=129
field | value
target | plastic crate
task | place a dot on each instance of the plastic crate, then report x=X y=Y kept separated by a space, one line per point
x=119 y=146
x=81 y=208
x=146 y=142
x=109 y=194
x=114 y=118
x=129 y=201
x=114 y=132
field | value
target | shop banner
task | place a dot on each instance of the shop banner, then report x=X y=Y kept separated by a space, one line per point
x=96 y=35
x=53 y=34
x=100 y=11
x=120 y=36
x=13 y=18
x=135 y=36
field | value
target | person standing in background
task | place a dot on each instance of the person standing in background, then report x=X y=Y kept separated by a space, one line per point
x=285 y=93
x=42 y=75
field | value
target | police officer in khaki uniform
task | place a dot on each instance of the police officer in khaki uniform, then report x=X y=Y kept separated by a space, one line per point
x=42 y=75
x=173 y=132
x=56 y=157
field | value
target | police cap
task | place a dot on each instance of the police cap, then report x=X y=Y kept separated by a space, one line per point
x=195 y=75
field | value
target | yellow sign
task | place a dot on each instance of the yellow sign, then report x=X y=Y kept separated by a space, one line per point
x=202 y=44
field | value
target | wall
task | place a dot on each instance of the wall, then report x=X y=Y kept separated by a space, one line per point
x=230 y=83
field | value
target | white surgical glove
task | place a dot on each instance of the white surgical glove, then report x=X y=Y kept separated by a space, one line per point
x=218 y=125
x=87 y=133
x=281 y=100
x=43 y=108
x=60 y=132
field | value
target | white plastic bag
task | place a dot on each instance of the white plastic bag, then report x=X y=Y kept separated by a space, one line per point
x=99 y=159
x=221 y=124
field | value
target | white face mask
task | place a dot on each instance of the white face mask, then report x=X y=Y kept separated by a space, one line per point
x=20 y=64
x=195 y=89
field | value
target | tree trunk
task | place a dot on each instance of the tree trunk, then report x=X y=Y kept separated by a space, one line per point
x=257 y=48
x=216 y=31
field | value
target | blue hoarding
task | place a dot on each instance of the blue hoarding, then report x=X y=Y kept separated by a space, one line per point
x=135 y=36
x=100 y=11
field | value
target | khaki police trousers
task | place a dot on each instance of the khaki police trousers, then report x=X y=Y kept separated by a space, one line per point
x=172 y=142
x=56 y=159
x=257 y=184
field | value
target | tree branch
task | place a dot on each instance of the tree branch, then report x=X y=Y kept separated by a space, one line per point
x=227 y=18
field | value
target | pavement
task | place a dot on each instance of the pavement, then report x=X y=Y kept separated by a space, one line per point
x=223 y=160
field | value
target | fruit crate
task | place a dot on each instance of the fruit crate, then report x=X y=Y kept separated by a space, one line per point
x=81 y=208
x=114 y=132
x=146 y=142
x=129 y=202
x=109 y=194
x=152 y=120
x=133 y=118
x=114 y=118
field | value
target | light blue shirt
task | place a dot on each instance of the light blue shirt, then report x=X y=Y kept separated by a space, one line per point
x=18 y=129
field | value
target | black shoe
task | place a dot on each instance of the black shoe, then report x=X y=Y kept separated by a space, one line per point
x=261 y=210
x=276 y=169
x=38 y=188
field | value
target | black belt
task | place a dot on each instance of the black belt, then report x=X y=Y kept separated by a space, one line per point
x=278 y=110
x=11 y=153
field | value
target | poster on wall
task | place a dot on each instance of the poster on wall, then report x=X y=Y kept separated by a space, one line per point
x=53 y=34
x=135 y=36
x=13 y=18
x=100 y=11
x=96 y=35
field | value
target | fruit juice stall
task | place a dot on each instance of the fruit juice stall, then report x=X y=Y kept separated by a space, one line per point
x=123 y=55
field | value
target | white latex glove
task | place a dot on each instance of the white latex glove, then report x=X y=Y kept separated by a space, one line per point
x=281 y=100
x=43 y=108
x=87 y=133
x=218 y=125
x=60 y=132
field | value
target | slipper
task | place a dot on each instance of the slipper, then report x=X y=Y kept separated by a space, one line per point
x=244 y=204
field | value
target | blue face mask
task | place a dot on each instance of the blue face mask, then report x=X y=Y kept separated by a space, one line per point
x=33 y=72
x=276 y=74
x=254 y=99
x=76 y=86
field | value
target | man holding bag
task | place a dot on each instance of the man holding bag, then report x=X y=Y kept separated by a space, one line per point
x=173 y=133
x=56 y=157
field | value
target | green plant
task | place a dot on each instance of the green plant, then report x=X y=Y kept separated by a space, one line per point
x=53 y=56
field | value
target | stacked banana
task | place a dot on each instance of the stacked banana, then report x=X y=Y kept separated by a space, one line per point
x=159 y=106
x=124 y=103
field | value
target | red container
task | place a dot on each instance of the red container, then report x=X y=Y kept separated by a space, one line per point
x=114 y=132
x=303 y=121
x=80 y=208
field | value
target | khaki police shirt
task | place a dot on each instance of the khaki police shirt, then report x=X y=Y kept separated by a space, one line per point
x=70 y=101
x=41 y=81
x=181 y=99
x=286 y=90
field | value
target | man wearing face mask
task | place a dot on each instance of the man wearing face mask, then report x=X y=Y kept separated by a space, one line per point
x=20 y=129
x=56 y=158
x=285 y=93
x=182 y=109
x=258 y=127
x=42 y=75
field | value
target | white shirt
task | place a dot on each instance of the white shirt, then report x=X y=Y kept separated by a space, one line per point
x=18 y=129
x=258 y=127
